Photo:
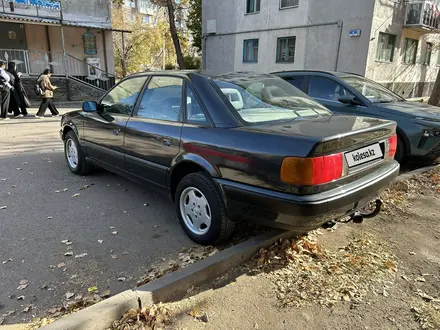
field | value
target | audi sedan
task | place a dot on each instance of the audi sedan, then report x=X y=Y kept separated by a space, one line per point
x=236 y=146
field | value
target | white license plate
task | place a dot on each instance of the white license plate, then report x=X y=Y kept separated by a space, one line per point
x=363 y=155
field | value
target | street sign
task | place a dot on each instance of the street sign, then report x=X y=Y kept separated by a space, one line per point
x=355 y=33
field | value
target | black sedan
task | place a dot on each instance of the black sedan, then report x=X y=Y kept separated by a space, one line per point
x=234 y=146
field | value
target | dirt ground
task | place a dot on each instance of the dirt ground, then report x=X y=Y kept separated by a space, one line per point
x=388 y=277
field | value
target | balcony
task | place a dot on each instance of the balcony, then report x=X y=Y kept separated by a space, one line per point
x=49 y=9
x=422 y=16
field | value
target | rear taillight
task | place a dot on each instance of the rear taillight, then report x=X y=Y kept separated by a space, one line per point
x=312 y=171
x=392 y=141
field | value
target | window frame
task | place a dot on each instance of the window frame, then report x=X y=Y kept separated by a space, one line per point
x=426 y=60
x=145 y=88
x=248 y=12
x=136 y=104
x=277 y=60
x=393 y=53
x=287 y=7
x=414 y=59
x=245 y=41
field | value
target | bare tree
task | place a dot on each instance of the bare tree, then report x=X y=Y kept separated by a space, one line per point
x=435 y=95
x=171 y=7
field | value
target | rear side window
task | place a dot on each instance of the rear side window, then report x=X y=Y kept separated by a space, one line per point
x=194 y=112
x=296 y=81
x=326 y=89
x=162 y=99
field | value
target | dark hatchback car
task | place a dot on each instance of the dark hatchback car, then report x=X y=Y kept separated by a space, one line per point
x=233 y=146
x=418 y=124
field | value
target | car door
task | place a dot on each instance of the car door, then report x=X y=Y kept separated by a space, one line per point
x=152 y=136
x=104 y=129
x=327 y=92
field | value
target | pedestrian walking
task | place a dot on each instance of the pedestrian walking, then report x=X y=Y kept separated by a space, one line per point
x=47 y=96
x=18 y=95
x=5 y=91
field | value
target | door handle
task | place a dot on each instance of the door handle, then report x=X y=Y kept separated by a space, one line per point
x=166 y=143
x=117 y=131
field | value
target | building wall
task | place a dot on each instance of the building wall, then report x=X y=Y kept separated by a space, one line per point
x=316 y=46
x=407 y=80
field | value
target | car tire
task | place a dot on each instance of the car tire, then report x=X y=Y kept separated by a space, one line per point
x=400 y=152
x=75 y=156
x=201 y=210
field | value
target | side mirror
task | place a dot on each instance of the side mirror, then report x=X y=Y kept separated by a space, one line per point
x=90 y=106
x=347 y=99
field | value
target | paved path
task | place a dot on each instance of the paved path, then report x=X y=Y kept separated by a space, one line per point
x=38 y=218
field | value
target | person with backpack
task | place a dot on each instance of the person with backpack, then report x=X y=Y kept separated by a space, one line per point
x=5 y=91
x=47 y=90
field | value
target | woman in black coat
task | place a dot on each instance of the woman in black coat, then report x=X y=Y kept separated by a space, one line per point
x=19 y=100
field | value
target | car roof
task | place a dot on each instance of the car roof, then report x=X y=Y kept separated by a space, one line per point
x=330 y=73
x=213 y=75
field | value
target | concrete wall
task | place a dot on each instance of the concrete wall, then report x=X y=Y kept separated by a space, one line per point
x=407 y=80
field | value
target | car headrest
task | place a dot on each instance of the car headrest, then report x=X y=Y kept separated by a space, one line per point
x=272 y=91
x=234 y=97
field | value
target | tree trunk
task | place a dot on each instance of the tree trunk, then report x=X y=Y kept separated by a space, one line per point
x=435 y=95
x=174 y=35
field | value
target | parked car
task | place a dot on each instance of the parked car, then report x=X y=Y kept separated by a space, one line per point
x=238 y=145
x=418 y=124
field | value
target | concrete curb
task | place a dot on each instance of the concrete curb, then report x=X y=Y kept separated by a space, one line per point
x=168 y=288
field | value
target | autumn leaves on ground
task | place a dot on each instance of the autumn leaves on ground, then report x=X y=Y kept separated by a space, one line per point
x=382 y=274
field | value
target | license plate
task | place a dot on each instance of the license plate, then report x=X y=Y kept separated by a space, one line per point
x=363 y=155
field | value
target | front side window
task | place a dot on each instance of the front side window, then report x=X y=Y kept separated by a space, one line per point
x=288 y=3
x=371 y=90
x=252 y=6
x=122 y=98
x=410 y=54
x=296 y=81
x=327 y=89
x=428 y=54
x=385 y=47
x=162 y=99
x=263 y=98
x=250 y=51
x=286 y=50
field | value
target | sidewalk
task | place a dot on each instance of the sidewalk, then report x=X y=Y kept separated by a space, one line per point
x=382 y=274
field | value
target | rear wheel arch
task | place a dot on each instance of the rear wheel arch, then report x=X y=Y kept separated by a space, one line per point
x=180 y=170
x=406 y=143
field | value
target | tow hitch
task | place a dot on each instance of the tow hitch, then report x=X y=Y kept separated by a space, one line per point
x=358 y=216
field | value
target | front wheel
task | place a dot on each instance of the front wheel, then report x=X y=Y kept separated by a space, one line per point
x=75 y=155
x=201 y=210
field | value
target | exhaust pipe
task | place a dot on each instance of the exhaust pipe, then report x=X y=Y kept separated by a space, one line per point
x=358 y=217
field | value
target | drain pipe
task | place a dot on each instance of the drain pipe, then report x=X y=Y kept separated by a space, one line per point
x=340 y=26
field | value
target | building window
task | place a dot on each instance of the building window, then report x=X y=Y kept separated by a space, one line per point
x=288 y=3
x=147 y=19
x=250 y=51
x=428 y=54
x=130 y=3
x=286 y=50
x=252 y=6
x=385 y=47
x=410 y=51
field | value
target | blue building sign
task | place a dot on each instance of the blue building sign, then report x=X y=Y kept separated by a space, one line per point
x=50 y=4
x=355 y=33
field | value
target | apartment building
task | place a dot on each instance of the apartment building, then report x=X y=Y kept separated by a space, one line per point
x=392 y=42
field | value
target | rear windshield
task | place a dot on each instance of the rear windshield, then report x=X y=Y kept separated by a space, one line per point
x=260 y=99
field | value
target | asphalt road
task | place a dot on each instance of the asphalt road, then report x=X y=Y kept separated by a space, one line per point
x=38 y=218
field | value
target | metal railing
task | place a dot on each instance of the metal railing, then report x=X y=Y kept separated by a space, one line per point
x=422 y=14
x=33 y=62
x=37 y=8
x=90 y=74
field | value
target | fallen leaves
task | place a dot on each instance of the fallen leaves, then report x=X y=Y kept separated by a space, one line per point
x=154 y=317
x=69 y=295
x=3 y=207
x=93 y=289
x=68 y=254
x=304 y=272
x=100 y=241
x=76 y=195
x=61 y=191
x=115 y=232
x=82 y=255
x=23 y=285
x=6 y=261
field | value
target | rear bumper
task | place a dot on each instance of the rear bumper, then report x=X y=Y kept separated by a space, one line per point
x=310 y=211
